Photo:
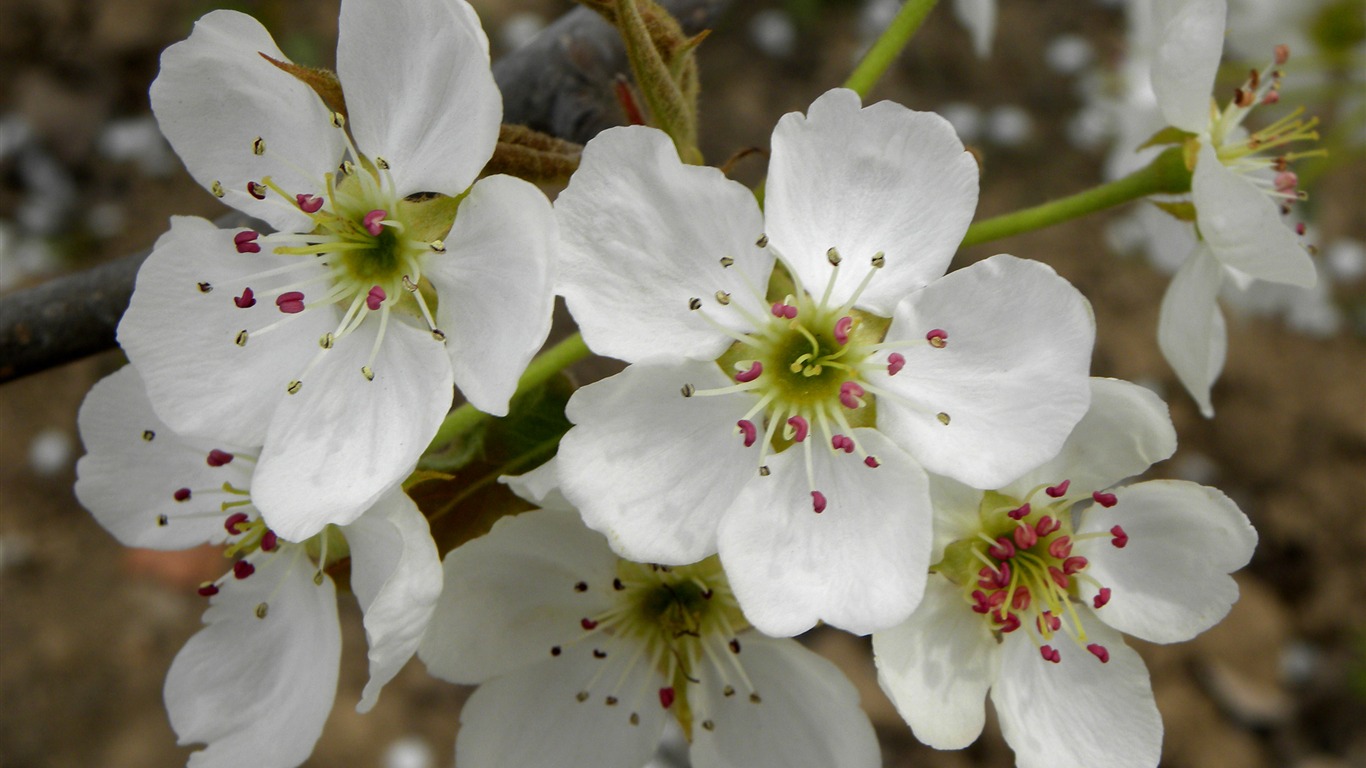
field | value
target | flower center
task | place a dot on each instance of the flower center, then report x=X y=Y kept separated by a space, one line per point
x=1019 y=571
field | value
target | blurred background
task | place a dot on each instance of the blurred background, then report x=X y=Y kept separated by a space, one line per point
x=89 y=628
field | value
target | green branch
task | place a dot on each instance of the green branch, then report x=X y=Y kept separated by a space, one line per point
x=889 y=45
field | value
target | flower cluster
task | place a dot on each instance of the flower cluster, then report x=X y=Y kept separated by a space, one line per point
x=817 y=422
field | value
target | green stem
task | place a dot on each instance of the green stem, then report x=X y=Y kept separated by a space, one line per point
x=889 y=45
x=1166 y=174
x=541 y=370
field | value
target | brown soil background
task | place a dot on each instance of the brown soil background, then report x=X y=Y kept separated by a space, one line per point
x=88 y=628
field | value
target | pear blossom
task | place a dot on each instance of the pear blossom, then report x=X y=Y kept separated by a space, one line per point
x=1242 y=184
x=334 y=344
x=785 y=418
x=257 y=683
x=583 y=658
x=1031 y=596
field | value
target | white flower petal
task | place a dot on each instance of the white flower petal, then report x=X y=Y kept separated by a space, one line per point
x=419 y=92
x=342 y=441
x=1190 y=328
x=511 y=596
x=216 y=96
x=1013 y=378
x=651 y=469
x=259 y=689
x=859 y=565
x=642 y=235
x=1243 y=227
x=1078 y=711
x=135 y=464
x=979 y=16
x=1125 y=431
x=396 y=575
x=807 y=714
x=532 y=718
x=1191 y=41
x=182 y=323
x=956 y=509
x=1170 y=582
x=881 y=178
x=467 y=14
x=936 y=667
x=540 y=486
x=495 y=288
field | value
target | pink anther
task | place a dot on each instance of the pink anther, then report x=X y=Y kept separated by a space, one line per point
x=207 y=590
x=181 y=494
x=1009 y=623
x=850 y=392
x=979 y=599
x=257 y=191
x=1047 y=525
x=242 y=569
x=1286 y=181
x=1060 y=547
x=588 y=623
x=842 y=443
x=1100 y=652
x=818 y=501
x=1300 y=229
x=996 y=599
x=291 y=303
x=217 y=458
x=842 y=327
x=784 y=310
x=1059 y=490
x=755 y=370
x=1049 y=620
x=246 y=241
x=938 y=338
x=246 y=301
x=1019 y=513
x=1271 y=97
x=1102 y=597
x=1106 y=500
x=1049 y=653
x=994 y=578
x=1021 y=599
x=1025 y=537
x=871 y=462
x=1058 y=577
x=375 y=298
x=1003 y=549
x=232 y=523
x=1073 y=564
x=895 y=362
x=374 y=221
x=748 y=430
x=800 y=426
x=1120 y=537
x=309 y=203
x=1282 y=54
x=269 y=541
x=666 y=697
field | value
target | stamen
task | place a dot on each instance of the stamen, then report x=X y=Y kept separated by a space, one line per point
x=1100 y=652
x=1101 y=598
x=256 y=190
x=801 y=427
x=247 y=300
x=290 y=303
x=895 y=362
x=666 y=697
x=842 y=327
x=218 y=458
x=818 y=501
x=207 y=589
x=375 y=298
x=747 y=428
x=780 y=309
x=309 y=203
x=753 y=373
x=246 y=241
x=1020 y=512
x=938 y=338
x=374 y=221
x=850 y=394
x=242 y=569
x=1120 y=537
x=1059 y=490
x=181 y=494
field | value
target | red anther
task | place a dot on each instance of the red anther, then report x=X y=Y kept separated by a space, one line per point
x=1060 y=547
x=1047 y=525
x=1025 y=537
x=1073 y=564
x=257 y=191
x=818 y=501
x=996 y=599
x=979 y=599
x=1300 y=229
x=1282 y=54
x=1058 y=577
x=871 y=462
x=246 y=301
x=1003 y=549
x=1010 y=623
x=1003 y=578
x=850 y=392
x=745 y=377
x=1053 y=622
x=1271 y=97
x=181 y=494
x=1101 y=598
x=842 y=327
x=1049 y=653
x=309 y=203
x=234 y=520
x=1019 y=513
x=1057 y=491
x=1120 y=537
x=1022 y=598
x=242 y=569
x=784 y=310
x=800 y=426
x=1106 y=500
x=994 y=578
x=588 y=624
x=269 y=541
x=748 y=430
x=218 y=458
x=374 y=221
x=291 y=303
x=207 y=590
x=1286 y=181
x=666 y=697
x=1100 y=652
x=938 y=338
x=246 y=241
x=375 y=298
x=895 y=362
x=842 y=443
